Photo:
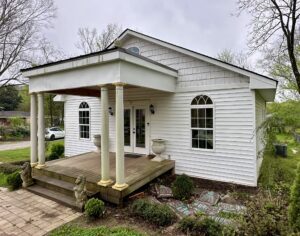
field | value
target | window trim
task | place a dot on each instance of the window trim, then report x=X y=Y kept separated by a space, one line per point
x=130 y=50
x=213 y=129
x=89 y=125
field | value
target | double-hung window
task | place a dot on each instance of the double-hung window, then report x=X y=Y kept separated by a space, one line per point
x=202 y=122
x=84 y=120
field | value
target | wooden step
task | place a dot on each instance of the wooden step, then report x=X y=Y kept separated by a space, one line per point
x=55 y=185
x=55 y=196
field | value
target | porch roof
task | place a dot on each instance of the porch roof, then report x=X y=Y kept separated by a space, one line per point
x=101 y=68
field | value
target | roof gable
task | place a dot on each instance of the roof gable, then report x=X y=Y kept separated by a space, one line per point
x=264 y=81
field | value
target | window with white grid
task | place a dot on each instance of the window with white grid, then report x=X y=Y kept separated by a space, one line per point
x=202 y=122
x=84 y=120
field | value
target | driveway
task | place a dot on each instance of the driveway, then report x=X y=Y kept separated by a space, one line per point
x=14 y=145
x=24 y=213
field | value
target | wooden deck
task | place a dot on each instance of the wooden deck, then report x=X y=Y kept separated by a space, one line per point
x=138 y=172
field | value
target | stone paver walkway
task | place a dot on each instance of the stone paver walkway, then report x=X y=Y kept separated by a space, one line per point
x=24 y=213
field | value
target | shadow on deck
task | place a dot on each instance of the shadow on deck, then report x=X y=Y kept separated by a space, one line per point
x=138 y=172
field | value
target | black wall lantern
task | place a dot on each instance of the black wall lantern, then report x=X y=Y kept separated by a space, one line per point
x=110 y=111
x=151 y=108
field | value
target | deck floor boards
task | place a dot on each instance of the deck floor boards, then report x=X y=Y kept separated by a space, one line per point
x=138 y=171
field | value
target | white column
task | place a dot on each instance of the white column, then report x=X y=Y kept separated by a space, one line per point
x=120 y=172
x=33 y=130
x=41 y=132
x=105 y=167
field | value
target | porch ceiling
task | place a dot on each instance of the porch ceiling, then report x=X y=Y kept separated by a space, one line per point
x=107 y=67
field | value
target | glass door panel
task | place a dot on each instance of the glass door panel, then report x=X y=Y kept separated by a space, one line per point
x=127 y=127
x=140 y=128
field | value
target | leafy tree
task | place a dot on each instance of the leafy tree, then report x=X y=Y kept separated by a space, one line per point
x=21 y=23
x=90 y=40
x=288 y=112
x=24 y=93
x=275 y=20
x=9 y=98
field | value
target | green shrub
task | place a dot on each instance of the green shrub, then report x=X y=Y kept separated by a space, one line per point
x=183 y=187
x=14 y=180
x=200 y=226
x=294 y=207
x=56 y=151
x=94 y=208
x=158 y=214
x=8 y=168
x=265 y=214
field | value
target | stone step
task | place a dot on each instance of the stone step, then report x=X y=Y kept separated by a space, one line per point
x=54 y=175
x=55 y=196
x=55 y=185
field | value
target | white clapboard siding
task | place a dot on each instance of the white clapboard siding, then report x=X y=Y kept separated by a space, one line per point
x=73 y=144
x=234 y=157
x=260 y=114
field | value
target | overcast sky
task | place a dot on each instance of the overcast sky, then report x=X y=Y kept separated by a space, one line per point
x=206 y=26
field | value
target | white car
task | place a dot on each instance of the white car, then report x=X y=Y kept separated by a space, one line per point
x=54 y=133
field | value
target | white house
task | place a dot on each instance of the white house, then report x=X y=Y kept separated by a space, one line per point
x=207 y=110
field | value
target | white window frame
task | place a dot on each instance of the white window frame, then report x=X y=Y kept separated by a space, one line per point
x=88 y=125
x=213 y=120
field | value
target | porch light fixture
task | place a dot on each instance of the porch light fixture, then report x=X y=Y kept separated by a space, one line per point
x=110 y=111
x=151 y=108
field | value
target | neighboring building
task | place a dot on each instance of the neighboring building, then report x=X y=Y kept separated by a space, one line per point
x=6 y=115
x=207 y=110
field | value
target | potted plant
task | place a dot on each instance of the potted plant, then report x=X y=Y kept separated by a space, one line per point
x=97 y=141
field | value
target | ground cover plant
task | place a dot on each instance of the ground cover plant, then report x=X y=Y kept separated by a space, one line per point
x=96 y=231
x=158 y=214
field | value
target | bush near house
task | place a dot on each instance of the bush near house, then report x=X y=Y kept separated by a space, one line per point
x=94 y=208
x=265 y=214
x=14 y=180
x=158 y=214
x=182 y=187
x=56 y=151
x=7 y=168
x=294 y=207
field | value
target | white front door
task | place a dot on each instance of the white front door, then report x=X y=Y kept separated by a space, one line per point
x=136 y=129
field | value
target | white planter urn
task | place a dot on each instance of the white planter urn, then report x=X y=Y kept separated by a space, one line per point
x=158 y=147
x=97 y=141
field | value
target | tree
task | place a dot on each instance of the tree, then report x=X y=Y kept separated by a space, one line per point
x=239 y=59
x=90 y=40
x=21 y=22
x=274 y=20
x=9 y=98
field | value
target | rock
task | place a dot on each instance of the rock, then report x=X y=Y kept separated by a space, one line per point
x=3 y=189
x=209 y=197
x=228 y=199
x=163 y=191
x=152 y=199
x=231 y=207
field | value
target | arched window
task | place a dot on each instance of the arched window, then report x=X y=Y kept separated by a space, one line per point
x=202 y=122
x=84 y=120
x=135 y=50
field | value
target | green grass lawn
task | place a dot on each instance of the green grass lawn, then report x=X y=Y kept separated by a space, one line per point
x=15 y=155
x=278 y=169
x=98 y=231
x=21 y=154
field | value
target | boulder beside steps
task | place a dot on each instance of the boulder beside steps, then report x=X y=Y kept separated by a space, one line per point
x=57 y=190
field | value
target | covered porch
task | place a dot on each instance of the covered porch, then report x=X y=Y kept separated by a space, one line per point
x=138 y=172
x=94 y=75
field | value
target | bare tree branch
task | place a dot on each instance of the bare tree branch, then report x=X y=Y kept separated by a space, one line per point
x=21 y=22
x=273 y=20
x=90 y=40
